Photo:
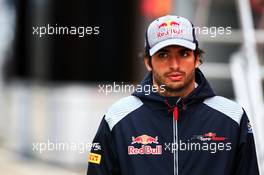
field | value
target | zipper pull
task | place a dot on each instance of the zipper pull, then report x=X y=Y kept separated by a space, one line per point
x=175 y=113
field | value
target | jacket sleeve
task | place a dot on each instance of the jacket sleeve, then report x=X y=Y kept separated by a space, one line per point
x=246 y=155
x=102 y=157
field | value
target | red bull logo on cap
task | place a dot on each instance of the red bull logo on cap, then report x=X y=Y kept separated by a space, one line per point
x=145 y=141
x=169 y=28
x=169 y=24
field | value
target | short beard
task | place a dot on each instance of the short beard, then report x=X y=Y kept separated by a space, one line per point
x=170 y=89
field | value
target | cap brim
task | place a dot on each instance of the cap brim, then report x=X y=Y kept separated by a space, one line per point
x=168 y=42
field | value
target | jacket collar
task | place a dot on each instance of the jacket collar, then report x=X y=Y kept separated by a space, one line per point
x=199 y=94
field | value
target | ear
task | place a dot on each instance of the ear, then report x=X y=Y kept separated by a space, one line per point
x=147 y=62
x=197 y=62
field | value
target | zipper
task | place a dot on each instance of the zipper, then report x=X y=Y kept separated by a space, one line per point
x=175 y=139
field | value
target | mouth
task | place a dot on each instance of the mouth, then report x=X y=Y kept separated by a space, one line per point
x=175 y=76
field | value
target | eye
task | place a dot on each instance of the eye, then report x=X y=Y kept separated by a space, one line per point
x=163 y=55
x=184 y=53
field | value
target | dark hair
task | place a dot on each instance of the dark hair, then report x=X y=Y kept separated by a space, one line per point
x=199 y=53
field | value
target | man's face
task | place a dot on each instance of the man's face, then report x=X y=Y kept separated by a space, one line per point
x=174 y=67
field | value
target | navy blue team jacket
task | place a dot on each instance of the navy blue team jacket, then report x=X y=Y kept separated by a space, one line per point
x=147 y=134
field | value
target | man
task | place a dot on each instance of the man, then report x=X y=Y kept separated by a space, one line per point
x=183 y=128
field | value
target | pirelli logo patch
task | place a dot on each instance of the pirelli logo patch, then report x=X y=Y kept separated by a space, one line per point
x=94 y=158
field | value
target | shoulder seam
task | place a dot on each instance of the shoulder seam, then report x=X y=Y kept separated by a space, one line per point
x=226 y=106
x=121 y=109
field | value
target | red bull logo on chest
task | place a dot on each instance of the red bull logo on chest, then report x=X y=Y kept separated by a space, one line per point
x=146 y=148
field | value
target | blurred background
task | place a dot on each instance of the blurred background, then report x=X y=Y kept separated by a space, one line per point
x=49 y=85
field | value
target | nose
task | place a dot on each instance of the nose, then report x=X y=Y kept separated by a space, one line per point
x=174 y=63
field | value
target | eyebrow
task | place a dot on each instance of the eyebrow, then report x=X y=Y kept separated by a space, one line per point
x=163 y=50
x=185 y=49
